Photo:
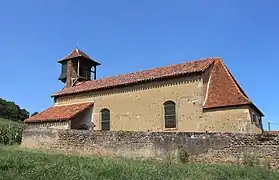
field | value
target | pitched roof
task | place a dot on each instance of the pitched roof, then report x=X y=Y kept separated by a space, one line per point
x=77 y=53
x=138 y=77
x=223 y=90
x=59 y=113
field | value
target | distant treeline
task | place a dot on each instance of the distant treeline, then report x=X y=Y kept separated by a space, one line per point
x=12 y=111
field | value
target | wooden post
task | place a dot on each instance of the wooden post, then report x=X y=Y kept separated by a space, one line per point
x=95 y=72
x=78 y=69
x=268 y=123
x=69 y=73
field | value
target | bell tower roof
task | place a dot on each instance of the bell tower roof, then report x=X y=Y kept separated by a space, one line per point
x=78 y=53
x=77 y=67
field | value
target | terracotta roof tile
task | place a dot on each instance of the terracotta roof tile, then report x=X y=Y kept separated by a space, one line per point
x=59 y=113
x=77 y=53
x=137 y=77
x=272 y=132
x=223 y=89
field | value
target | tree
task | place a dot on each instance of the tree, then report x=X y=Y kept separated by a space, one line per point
x=12 y=111
x=33 y=114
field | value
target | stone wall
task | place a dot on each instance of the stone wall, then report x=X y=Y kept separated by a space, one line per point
x=202 y=147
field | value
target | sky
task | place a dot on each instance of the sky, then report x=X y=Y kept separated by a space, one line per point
x=127 y=36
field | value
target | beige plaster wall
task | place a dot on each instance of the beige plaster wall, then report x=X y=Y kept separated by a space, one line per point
x=140 y=107
x=229 y=119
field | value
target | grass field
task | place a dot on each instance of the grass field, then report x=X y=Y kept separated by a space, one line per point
x=7 y=121
x=22 y=164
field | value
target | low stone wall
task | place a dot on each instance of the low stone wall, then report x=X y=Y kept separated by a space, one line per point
x=56 y=125
x=202 y=147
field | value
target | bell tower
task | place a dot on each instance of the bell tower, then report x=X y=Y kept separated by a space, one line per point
x=77 y=67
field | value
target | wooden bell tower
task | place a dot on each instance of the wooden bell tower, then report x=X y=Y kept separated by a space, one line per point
x=77 y=67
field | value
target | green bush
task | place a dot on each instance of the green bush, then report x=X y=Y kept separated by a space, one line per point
x=11 y=134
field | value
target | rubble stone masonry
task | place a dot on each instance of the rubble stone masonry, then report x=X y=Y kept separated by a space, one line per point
x=202 y=147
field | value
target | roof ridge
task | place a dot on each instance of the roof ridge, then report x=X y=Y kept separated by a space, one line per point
x=212 y=60
x=76 y=52
x=166 y=66
x=240 y=90
x=65 y=57
x=155 y=73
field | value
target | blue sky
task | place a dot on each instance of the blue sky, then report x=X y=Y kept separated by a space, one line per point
x=127 y=36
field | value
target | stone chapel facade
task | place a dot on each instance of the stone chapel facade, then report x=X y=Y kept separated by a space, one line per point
x=194 y=96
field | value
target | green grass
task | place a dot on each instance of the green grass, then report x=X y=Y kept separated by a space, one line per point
x=23 y=164
x=7 y=121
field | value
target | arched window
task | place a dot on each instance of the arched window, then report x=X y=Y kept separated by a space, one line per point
x=170 y=115
x=105 y=118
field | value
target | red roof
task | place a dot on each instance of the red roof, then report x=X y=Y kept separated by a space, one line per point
x=138 y=77
x=222 y=91
x=59 y=113
x=77 y=53
x=272 y=132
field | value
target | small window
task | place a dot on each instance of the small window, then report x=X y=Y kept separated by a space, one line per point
x=259 y=121
x=105 y=117
x=170 y=114
x=254 y=118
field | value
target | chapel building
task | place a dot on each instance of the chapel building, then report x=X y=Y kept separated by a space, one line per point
x=194 y=96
